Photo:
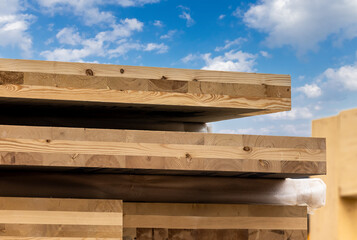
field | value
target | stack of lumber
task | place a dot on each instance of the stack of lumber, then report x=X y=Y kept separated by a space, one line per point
x=136 y=134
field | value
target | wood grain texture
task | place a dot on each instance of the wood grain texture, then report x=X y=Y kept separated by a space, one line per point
x=158 y=221
x=212 y=234
x=34 y=218
x=107 y=70
x=160 y=151
x=186 y=91
x=143 y=97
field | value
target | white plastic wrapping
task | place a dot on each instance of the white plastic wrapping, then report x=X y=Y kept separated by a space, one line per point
x=310 y=192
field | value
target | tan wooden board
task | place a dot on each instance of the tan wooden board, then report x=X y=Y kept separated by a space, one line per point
x=160 y=151
x=46 y=218
x=158 y=221
x=187 y=95
x=108 y=70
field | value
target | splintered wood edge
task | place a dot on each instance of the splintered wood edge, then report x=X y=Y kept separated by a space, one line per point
x=142 y=72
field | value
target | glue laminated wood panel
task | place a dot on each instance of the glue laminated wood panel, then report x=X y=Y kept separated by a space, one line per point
x=160 y=152
x=49 y=218
x=126 y=92
x=159 y=221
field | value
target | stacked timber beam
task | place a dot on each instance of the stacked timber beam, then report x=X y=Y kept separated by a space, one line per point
x=92 y=131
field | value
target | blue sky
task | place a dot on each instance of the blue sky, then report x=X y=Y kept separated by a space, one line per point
x=313 y=41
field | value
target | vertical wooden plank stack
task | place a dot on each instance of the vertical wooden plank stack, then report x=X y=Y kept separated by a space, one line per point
x=81 y=130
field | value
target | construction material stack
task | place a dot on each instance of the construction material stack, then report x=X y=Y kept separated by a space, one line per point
x=122 y=152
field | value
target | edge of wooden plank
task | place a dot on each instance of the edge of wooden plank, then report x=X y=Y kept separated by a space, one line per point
x=185 y=151
x=144 y=97
x=142 y=72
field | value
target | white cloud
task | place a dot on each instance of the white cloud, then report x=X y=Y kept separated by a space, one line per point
x=131 y=3
x=229 y=44
x=125 y=28
x=169 y=34
x=295 y=113
x=158 y=23
x=189 y=58
x=265 y=54
x=238 y=13
x=124 y=47
x=68 y=36
x=14 y=26
x=345 y=76
x=159 y=48
x=296 y=129
x=89 y=10
x=311 y=90
x=260 y=131
x=100 y=45
x=221 y=16
x=303 y=24
x=111 y=43
x=231 y=61
x=186 y=15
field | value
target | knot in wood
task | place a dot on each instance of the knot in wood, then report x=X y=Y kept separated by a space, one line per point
x=195 y=80
x=48 y=140
x=122 y=70
x=188 y=157
x=163 y=78
x=264 y=164
x=89 y=72
x=246 y=148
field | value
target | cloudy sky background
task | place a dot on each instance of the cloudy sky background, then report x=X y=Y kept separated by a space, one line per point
x=315 y=41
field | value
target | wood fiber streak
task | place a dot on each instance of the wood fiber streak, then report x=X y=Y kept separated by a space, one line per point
x=214 y=234
x=159 y=85
x=180 y=95
x=49 y=218
x=157 y=221
x=11 y=78
x=143 y=97
x=142 y=72
x=160 y=152
x=160 y=137
x=188 y=222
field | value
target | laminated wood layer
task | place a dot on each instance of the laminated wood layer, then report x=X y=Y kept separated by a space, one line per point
x=158 y=221
x=184 y=95
x=47 y=218
x=159 y=152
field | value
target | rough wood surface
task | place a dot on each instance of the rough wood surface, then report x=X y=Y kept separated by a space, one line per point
x=194 y=93
x=108 y=70
x=43 y=218
x=158 y=221
x=190 y=153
